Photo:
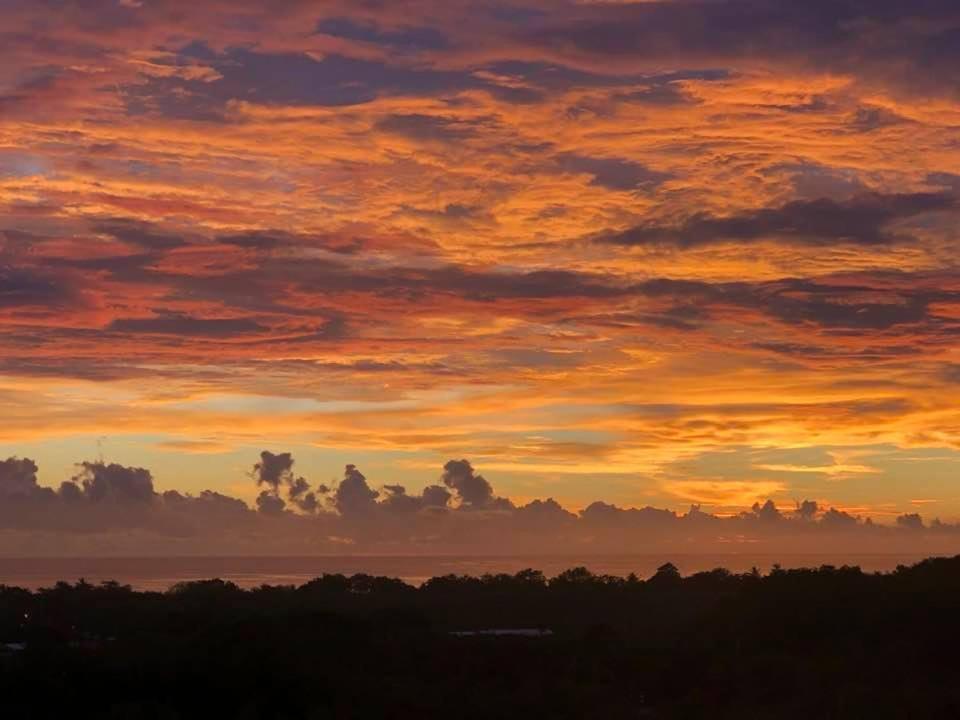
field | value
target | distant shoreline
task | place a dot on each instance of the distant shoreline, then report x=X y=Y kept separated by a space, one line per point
x=158 y=573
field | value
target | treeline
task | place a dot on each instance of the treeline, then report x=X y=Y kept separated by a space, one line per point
x=827 y=642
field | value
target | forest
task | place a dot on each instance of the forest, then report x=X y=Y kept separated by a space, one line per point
x=830 y=642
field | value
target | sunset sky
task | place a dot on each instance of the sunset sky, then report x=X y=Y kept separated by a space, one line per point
x=651 y=252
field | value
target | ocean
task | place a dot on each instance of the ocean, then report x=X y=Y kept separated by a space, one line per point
x=159 y=573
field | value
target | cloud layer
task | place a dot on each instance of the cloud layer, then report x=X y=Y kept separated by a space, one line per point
x=655 y=252
x=118 y=510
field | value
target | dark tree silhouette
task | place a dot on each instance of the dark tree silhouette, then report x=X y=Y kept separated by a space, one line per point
x=827 y=642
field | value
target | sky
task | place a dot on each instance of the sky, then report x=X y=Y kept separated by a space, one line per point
x=652 y=253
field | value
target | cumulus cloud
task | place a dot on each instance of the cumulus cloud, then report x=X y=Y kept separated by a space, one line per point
x=436 y=496
x=209 y=506
x=807 y=509
x=269 y=503
x=544 y=515
x=910 y=521
x=114 y=501
x=353 y=496
x=276 y=472
x=100 y=482
x=273 y=469
x=471 y=489
x=18 y=477
x=395 y=499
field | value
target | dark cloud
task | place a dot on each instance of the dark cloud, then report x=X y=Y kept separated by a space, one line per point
x=808 y=509
x=36 y=84
x=104 y=498
x=910 y=521
x=834 y=519
x=427 y=128
x=613 y=173
x=470 y=284
x=604 y=515
x=544 y=514
x=666 y=94
x=868 y=119
x=682 y=317
x=279 y=284
x=101 y=482
x=269 y=503
x=862 y=220
x=353 y=496
x=18 y=477
x=814 y=104
x=471 y=489
x=208 y=507
x=515 y=95
x=537 y=284
x=812 y=181
x=395 y=499
x=839 y=307
x=25 y=287
x=285 y=79
x=436 y=496
x=141 y=234
x=559 y=78
x=299 y=488
x=951 y=373
x=275 y=470
x=174 y=323
x=885 y=41
x=96 y=370
x=280 y=78
x=14 y=164
x=950 y=181
x=767 y=512
x=668 y=89
x=409 y=38
x=870 y=304
x=295 y=79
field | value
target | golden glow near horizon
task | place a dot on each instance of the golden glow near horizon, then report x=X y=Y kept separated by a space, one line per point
x=592 y=247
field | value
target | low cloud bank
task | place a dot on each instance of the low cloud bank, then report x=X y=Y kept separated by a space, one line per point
x=110 y=509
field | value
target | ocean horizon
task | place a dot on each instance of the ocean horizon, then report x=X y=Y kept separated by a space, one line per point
x=161 y=573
